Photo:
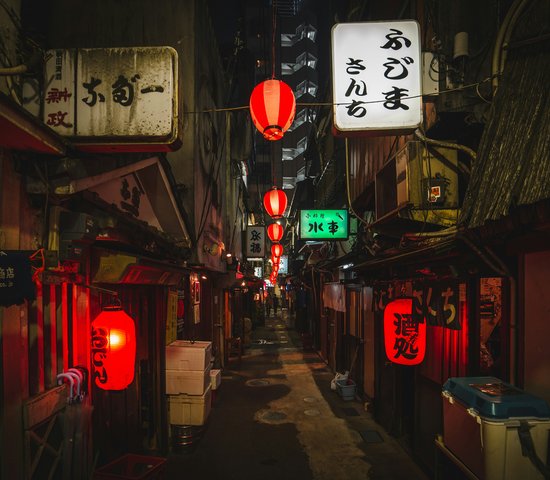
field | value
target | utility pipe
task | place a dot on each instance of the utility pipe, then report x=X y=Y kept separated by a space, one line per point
x=454 y=146
x=503 y=37
x=70 y=378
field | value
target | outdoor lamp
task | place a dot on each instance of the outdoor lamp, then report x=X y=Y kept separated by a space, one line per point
x=275 y=202
x=272 y=108
x=276 y=249
x=113 y=349
x=404 y=335
x=275 y=232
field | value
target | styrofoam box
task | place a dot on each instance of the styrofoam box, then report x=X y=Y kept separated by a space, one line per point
x=215 y=378
x=190 y=409
x=187 y=355
x=191 y=382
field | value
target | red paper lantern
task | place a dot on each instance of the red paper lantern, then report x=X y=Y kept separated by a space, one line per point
x=275 y=260
x=276 y=249
x=272 y=108
x=113 y=349
x=275 y=202
x=404 y=336
x=275 y=232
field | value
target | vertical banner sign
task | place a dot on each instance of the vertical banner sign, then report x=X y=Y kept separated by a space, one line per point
x=60 y=91
x=171 y=317
x=377 y=76
x=255 y=241
x=404 y=336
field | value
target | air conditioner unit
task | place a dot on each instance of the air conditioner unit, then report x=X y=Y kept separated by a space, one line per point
x=419 y=183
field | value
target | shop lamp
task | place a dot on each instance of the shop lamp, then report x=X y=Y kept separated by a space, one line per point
x=404 y=335
x=275 y=202
x=276 y=249
x=272 y=108
x=275 y=232
x=113 y=348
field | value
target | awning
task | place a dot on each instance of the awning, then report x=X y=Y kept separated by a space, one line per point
x=19 y=130
x=426 y=253
x=142 y=190
x=124 y=268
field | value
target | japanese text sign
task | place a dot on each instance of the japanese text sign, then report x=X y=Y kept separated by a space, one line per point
x=114 y=94
x=377 y=76
x=404 y=335
x=16 y=283
x=324 y=224
x=255 y=241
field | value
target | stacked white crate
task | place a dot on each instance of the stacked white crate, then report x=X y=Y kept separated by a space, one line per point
x=188 y=381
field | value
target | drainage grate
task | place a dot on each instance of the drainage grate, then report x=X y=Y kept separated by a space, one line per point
x=310 y=399
x=257 y=383
x=371 y=436
x=312 y=412
x=274 y=416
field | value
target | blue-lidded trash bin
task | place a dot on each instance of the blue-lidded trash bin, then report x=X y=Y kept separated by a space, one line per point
x=483 y=418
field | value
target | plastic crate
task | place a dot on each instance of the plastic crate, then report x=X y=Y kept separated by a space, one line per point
x=346 y=389
x=481 y=418
x=132 y=467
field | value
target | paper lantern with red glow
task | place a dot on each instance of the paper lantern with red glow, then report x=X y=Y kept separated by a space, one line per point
x=272 y=108
x=113 y=349
x=404 y=336
x=275 y=260
x=276 y=249
x=275 y=232
x=275 y=202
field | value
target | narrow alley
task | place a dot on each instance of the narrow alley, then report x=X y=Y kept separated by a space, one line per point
x=275 y=416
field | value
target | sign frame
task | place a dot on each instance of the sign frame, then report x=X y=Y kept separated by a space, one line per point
x=303 y=235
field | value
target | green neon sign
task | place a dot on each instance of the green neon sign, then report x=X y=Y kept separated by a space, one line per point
x=324 y=225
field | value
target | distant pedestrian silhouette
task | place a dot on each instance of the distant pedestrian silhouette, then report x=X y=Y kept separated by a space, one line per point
x=275 y=304
x=269 y=304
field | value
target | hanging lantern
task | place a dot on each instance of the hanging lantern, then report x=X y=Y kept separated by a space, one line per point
x=275 y=202
x=404 y=335
x=275 y=260
x=272 y=108
x=275 y=232
x=276 y=249
x=113 y=349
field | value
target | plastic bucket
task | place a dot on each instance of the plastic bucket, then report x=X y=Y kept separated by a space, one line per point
x=346 y=389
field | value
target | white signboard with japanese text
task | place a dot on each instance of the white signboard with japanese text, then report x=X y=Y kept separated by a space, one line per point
x=255 y=242
x=377 y=77
x=112 y=95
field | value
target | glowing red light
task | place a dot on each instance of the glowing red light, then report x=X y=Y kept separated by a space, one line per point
x=404 y=336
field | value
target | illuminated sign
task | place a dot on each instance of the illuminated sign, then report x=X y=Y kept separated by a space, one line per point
x=376 y=76
x=324 y=224
x=404 y=335
x=255 y=242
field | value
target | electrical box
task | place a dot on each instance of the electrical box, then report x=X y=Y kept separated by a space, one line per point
x=417 y=180
x=76 y=230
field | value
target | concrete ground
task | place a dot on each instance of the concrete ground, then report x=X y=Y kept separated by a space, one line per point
x=276 y=417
